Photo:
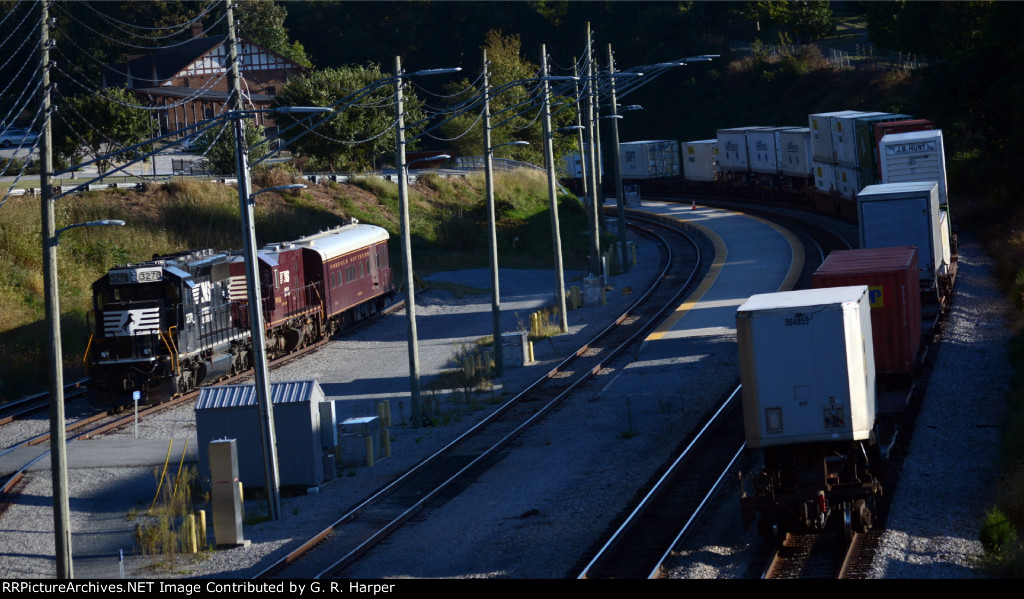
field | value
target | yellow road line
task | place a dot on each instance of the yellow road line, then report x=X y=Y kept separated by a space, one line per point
x=796 y=265
x=721 y=253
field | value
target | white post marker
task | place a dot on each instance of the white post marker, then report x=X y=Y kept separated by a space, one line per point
x=135 y=397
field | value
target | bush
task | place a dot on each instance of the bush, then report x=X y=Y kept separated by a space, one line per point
x=998 y=534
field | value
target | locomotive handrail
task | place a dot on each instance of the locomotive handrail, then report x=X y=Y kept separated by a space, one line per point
x=85 y=355
x=172 y=348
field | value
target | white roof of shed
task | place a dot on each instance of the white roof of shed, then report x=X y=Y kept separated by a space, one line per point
x=235 y=396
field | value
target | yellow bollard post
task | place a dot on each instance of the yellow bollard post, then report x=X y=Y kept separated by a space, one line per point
x=193 y=542
x=386 y=436
x=604 y=299
x=387 y=412
x=530 y=347
x=369 y=451
x=202 y=528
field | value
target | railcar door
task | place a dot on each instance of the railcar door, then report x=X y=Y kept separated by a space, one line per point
x=375 y=268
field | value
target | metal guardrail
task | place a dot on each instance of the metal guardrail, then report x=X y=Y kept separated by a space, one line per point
x=464 y=165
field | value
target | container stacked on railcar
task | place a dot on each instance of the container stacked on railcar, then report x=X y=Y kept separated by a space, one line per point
x=893 y=214
x=808 y=372
x=891 y=275
x=650 y=159
x=838 y=154
x=167 y=326
x=700 y=160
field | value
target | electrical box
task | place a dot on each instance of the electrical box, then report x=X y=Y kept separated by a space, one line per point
x=225 y=493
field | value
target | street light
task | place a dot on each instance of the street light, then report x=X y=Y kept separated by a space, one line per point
x=416 y=402
x=492 y=231
x=615 y=116
x=252 y=282
x=93 y=223
x=58 y=457
x=256 y=327
x=499 y=357
x=549 y=164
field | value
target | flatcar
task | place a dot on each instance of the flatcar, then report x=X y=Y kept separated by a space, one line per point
x=171 y=324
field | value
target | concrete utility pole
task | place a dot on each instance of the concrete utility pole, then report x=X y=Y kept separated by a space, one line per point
x=492 y=229
x=579 y=132
x=252 y=278
x=619 y=200
x=595 y=212
x=416 y=402
x=549 y=163
x=58 y=457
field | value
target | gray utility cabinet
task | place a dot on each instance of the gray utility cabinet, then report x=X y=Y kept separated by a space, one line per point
x=231 y=412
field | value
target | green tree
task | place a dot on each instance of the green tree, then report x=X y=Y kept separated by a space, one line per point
x=810 y=20
x=218 y=146
x=362 y=125
x=95 y=125
x=262 y=22
x=765 y=13
x=515 y=103
x=934 y=30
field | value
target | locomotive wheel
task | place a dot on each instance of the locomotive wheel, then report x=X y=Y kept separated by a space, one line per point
x=861 y=516
x=847 y=521
x=768 y=530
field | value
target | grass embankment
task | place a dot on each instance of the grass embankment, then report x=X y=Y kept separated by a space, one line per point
x=448 y=221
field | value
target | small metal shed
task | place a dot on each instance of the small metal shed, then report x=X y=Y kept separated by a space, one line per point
x=232 y=412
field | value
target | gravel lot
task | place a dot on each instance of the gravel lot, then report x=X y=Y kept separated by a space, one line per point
x=552 y=495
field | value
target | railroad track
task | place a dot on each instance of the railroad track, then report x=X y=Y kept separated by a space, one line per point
x=811 y=555
x=827 y=554
x=442 y=475
x=18 y=408
x=824 y=555
x=641 y=543
x=103 y=421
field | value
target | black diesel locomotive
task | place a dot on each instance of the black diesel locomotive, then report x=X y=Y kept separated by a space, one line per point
x=166 y=326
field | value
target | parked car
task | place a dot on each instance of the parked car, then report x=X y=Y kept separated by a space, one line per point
x=191 y=144
x=15 y=136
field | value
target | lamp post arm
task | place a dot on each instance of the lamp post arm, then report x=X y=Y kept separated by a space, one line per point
x=93 y=223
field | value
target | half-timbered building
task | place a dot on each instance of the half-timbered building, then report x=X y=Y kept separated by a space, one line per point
x=189 y=80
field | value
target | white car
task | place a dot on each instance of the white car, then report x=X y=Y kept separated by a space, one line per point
x=191 y=144
x=14 y=136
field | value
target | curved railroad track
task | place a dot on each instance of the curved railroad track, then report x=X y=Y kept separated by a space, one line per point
x=639 y=544
x=445 y=473
x=820 y=555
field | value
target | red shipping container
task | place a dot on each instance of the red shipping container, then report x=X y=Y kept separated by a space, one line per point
x=894 y=291
x=885 y=128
